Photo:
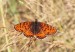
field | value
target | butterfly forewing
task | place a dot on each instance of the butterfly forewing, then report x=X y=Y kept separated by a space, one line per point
x=18 y=27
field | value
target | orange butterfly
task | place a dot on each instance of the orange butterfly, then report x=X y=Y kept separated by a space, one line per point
x=38 y=29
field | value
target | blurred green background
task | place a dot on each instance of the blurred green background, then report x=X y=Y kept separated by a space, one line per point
x=58 y=13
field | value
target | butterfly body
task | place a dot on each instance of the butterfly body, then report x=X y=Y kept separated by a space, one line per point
x=38 y=29
x=35 y=27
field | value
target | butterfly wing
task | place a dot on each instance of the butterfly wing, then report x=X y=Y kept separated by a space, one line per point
x=25 y=28
x=48 y=29
x=45 y=29
x=40 y=35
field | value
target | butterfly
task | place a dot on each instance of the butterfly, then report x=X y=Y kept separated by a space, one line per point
x=38 y=29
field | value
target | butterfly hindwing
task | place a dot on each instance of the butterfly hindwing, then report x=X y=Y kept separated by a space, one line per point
x=40 y=35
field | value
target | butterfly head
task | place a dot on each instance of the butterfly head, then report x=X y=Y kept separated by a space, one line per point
x=36 y=20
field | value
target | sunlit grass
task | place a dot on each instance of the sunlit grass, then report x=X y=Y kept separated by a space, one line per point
x=3 y=15
x=58 y=13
